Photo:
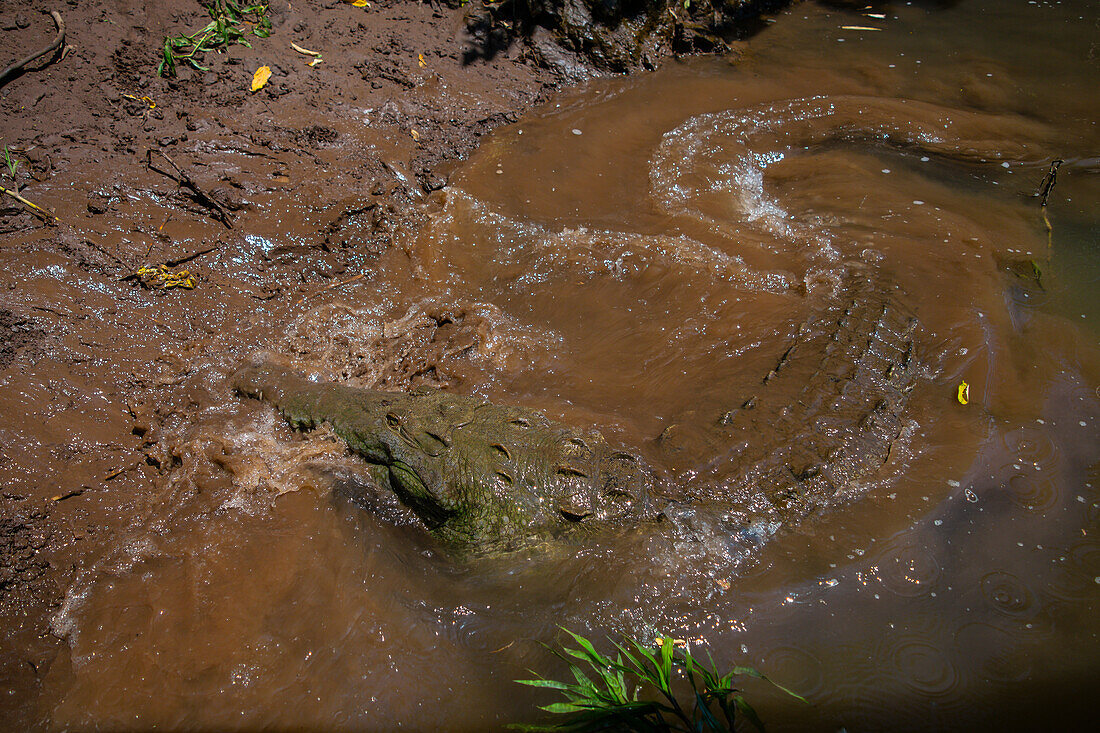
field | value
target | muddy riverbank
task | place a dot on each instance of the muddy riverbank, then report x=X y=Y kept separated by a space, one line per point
x=331 y=160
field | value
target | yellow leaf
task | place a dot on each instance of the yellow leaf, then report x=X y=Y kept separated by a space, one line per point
x=859 y=28
x=361 y=4
x=314 y=62
x=421 y=61
x=306 y=51
x=964 y=393
x=260 y=77
x=416 y=135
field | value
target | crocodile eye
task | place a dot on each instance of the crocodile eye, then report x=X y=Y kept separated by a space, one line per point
x=393 y=421
x=619 y=502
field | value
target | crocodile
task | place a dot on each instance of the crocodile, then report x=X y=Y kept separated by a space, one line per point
x=851 y=369
x=823 y=419
x=478 y=475
x=485 y=477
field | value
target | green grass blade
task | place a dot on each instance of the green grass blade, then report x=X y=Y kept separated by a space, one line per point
x=745 y=709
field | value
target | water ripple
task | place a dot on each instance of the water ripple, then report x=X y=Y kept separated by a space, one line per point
x=1036 y=458
x=923 y=667
x=908 y=569
x=992 y=653
x=796 y=669
x=1007 y=595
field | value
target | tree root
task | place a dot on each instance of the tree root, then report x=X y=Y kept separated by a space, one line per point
x=54 y=45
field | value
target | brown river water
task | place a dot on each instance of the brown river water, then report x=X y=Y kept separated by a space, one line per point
x=629 y=256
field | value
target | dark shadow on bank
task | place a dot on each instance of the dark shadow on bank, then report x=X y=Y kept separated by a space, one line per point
x=624 y=35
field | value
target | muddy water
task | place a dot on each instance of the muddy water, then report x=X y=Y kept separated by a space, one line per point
x=635 y=256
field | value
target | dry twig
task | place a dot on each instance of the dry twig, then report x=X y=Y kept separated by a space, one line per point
x=332 y=286
x=34 y=208
x=184 y=180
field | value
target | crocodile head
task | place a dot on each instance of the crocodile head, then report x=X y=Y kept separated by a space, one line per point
x=483 y=475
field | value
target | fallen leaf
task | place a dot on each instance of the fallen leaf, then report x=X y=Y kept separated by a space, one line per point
x=416 y=135
x=147 y=100
x=159 y=277
x=858 y=28
x=420 y=59
x=260 y=77
x=964 y=393
x=306 y=51
x=361 y=4
x=314 y=62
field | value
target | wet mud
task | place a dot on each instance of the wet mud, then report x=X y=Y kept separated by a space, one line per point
x=699 y=263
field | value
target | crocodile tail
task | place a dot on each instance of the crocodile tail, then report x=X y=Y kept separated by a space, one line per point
x=834 y=405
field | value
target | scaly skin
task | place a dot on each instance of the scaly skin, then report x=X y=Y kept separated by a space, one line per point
x=484 y=476
x=488 y=478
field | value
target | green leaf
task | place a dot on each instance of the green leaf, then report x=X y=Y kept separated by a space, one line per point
x=551 y=684
x=667 y=650
x=745 y=709
x=587 y=646
x=705 y=715
x=751 y=672
x=562 y=707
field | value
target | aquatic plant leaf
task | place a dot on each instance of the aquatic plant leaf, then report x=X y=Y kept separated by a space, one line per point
x=963 y=395
x=610 y=700
x=260 y=77
x=745 y=709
